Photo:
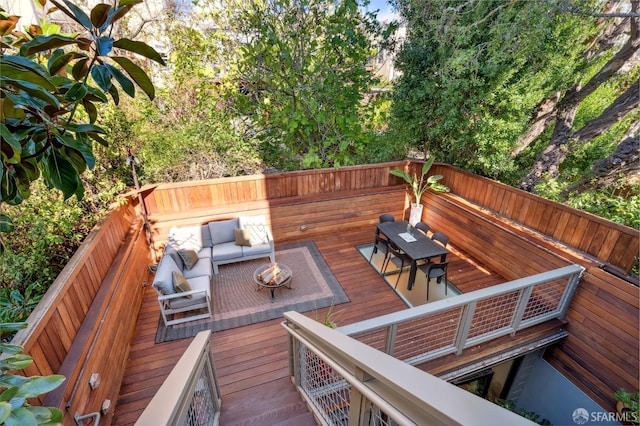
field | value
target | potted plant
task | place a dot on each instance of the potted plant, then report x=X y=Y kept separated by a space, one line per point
x=627 y=405
x=419 y=185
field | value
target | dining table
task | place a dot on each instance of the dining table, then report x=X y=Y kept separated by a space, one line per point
x=416 y=245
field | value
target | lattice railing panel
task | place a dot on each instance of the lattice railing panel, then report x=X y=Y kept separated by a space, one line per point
x=328 y=391
x=424 y=335
x=493 y=313
x=377 y=417
x=201 y=409
x=545 y=298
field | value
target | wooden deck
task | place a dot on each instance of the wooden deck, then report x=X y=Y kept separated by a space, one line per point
x=251 y=361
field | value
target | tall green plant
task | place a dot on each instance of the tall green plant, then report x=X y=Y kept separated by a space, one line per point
x=15 y=389
x=419 y=184
x=46 y=80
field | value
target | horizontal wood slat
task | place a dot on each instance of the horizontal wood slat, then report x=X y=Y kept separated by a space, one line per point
x=613 y=243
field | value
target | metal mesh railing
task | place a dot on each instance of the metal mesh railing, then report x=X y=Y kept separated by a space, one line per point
x=493 y=314
x=377 y=417
x=427 y=334
x=201 y=410
x=328 y=391
x=545 y=298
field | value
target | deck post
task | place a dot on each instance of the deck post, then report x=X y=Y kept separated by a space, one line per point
x=464 y=326
x=525 y=294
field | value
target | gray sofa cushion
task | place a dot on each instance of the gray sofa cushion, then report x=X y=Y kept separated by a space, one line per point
x=198 y=283
x=163 y=279
x=222 y=231
x=202 y=267
x=205 y=253
x=225 y=251
x=173 y=253
x=256 y=250
x=206 y=236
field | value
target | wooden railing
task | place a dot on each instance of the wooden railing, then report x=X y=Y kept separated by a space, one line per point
x=345 y=381
x=190 y=395
x=610 y=242
x=84 y=324
x=430 y=331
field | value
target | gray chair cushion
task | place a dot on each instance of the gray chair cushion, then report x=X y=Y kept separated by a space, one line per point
x=225 y=251
x=205 y=253
x=202 y=268
x=222 y=231
x=163 y=279
x=172 y=252
x=206 y=236
x=256 y=250
x=198 y=283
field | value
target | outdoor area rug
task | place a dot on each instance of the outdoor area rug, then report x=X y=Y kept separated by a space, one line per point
x=237 y=301
x=418 y=294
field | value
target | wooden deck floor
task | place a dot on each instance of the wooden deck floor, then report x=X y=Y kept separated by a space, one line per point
x=251 y=361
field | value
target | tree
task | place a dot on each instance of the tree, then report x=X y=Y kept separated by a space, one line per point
x=50 y=90
x=548 y=162
x=302 y=77
x=472 y=73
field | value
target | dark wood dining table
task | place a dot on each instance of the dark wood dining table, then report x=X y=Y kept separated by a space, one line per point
x=423 y=248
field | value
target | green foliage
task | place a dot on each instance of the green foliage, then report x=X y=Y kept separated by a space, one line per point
x=302 y=80
x=15 y=389
x=419 y=185
x=630 y=405
x=47 y=80
x=473 y=74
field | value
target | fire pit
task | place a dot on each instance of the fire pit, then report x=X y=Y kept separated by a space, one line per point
x=272 y=276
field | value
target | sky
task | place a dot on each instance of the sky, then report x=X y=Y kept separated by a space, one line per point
x=385 y=13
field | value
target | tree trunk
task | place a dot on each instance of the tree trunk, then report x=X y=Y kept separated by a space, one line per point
x=548 y=162
x=544 y=116
x=624 y=104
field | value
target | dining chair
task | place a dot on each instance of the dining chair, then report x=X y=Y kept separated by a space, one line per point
x=423 y=227
x=441 y=238
x=437 y=271
x=387 y=217
x=381 y=245
x=399 y=259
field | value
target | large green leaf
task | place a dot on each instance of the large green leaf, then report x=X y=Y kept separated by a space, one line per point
x=9 y=145
x=37 y=385
x=57 y=64
x=10 y=68
x=12 y=326
x=102 y=77
x=104 y=45
x=137 y=74
x=42 y=43
x=21 y=417
x=83 y=148
x=12 y=380
x=76 y=92
x=90 y=109
x=10 y=392
x=16 y=362
x=80 y=69
x=6 y=225
x=59 y=173
x=8 y=348
x=5 y=411
x=30 y=88
x=124 y=82
x=80 y=16
x=140 y=48
x=99 y=15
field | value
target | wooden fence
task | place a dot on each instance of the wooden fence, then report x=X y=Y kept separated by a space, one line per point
x=84 y=324
x=610 y=242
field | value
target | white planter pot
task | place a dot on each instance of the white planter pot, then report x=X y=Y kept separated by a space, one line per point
x=415 y=215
